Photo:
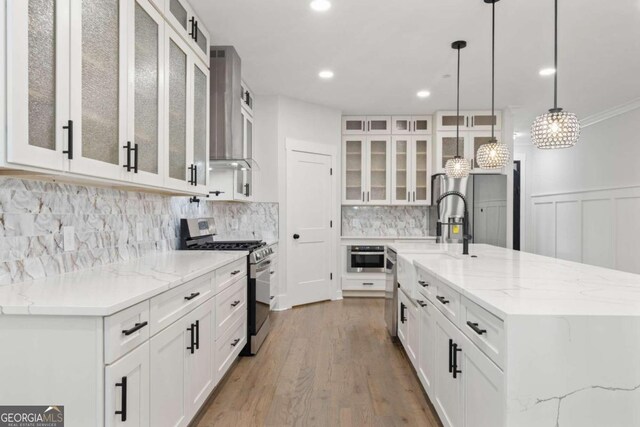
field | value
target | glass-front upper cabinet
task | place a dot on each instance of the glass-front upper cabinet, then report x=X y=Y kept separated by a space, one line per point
x=98 y=89
x=188 y=25
x=446 y=148
x=353 y=160
x=482 y=120
x=421 y=168
x=417 y=125
x=379 y=175
x=354 y=125
x=400 y=170
x=39 y=127
x=146 y=93
x=446 y=120
x=401 y=125
x=244 y=177
x=200 y=125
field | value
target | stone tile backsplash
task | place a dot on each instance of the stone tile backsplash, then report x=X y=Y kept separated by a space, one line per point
x=385 y=221
x=105 y=222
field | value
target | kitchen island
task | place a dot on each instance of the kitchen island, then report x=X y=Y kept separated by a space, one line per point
x=506 y=338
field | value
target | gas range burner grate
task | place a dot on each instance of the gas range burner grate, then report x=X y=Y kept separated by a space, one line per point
x=248 y=245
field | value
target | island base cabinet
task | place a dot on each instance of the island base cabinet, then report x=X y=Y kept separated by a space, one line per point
x=127 y=390
x=427 y=352
x=469 y=387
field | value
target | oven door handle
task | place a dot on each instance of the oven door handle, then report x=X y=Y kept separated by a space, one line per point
x=367 y=253
x=264 y=265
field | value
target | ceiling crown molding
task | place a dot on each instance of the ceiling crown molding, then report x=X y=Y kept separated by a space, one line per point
x=610 y=113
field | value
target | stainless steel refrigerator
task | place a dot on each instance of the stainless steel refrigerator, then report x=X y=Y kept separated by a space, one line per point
x=486 y=196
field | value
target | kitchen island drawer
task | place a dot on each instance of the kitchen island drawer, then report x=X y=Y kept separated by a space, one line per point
x=484 y=329
x=230 y=273
x=125 y=330
x=230 y=304
x=168 y=307
x=427 y=285
x=447 y=301
x=363 y=284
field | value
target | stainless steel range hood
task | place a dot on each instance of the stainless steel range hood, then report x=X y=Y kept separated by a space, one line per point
x=226 y=145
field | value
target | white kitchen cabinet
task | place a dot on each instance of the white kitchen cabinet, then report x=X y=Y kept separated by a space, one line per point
x=200 y=362
x=378 y=125
x=199 y=135
x=427 y=351
x=408 y=125
x=403 y=306
x=469 y=143
x=247 y=98
x=447 y=398
x=243 y=177
x=468 y=120
x=127 y=390
x=369 y=125
x=413 y=332
x=180 y=15
x=411 y=170
x=366 y=170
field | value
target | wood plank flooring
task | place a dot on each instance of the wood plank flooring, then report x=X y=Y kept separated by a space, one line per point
x=326 y=364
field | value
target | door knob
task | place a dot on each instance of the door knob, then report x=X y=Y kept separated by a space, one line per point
x=296 y=236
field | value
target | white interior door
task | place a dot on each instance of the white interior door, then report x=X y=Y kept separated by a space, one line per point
x=309 y=208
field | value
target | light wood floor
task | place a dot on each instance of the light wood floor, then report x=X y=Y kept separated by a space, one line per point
x=326 y=364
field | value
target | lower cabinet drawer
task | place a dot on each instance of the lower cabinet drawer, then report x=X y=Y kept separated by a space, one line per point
x=125 y=330
x=228 y=346
x=230 y=273
x=169 y=306
x=363 y=285
x=427 y=285
x=229 y=304
x=448 y=301
x=483 y=329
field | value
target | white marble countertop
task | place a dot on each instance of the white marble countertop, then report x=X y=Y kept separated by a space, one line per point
x=415 y=248
x=387 y=238
x=104 y=290
x=508 y=282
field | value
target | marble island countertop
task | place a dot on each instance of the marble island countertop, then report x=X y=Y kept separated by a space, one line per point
x=508 y=282
x=104 y=290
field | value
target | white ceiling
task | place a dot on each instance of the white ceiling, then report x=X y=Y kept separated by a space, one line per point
x=384 y=51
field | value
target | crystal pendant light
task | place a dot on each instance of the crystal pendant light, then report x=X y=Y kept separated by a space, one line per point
x=557 y=128
x=493 y=155
x=458 y=167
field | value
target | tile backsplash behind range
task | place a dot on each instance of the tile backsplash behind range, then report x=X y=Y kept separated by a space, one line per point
x=385 y=221
x=106 y=224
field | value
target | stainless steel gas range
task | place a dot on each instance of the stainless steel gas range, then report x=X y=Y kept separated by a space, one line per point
x=199 y=234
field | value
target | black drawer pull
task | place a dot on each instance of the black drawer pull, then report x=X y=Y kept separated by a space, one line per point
x=475 y=328
x=456 y=371
x=367 y=284
x=423 y=283
x=402 y=316
x=450 y=355
x=443 y=300
x=192 y=296
x=235 y=342
x=135 y=328
x=233 y=273
x=233 y=304
x=123 y=411
x=192 y=330
x=422 y=303
x=196 y=343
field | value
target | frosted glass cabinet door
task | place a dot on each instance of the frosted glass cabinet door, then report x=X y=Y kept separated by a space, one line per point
x=379 y=150
x=99 y=87
x=176 y=74
x=146 y=91
x=200 y=124
x=446 y=148
x=400 y=170
x=353 y=178
x=38 y=83
x=446 y=120
x=421 y=168
x=180 y=15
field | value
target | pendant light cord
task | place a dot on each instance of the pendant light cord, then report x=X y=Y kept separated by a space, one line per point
x=493 y=69
x=555 y=60
x=458 y=110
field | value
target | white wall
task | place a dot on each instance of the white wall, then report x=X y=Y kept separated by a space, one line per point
x=583 y=202
x=277 y=119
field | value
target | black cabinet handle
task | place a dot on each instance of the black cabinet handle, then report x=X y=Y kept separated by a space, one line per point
x=69 y=150
x=192 y=21
x=135 y=158
x=246 y=190
x=423 y=283
x=456 y=371
x=475 y=328
x=402 y=317
x=443 y=300
x=123 y=411
x=235 y=303
x=196 y=343
x=195 y=174
x=135 y=328
x=235 y=342
x=192 y=296
x=192 y=347
x=450 y=355
x=127 y=147
x=191 y=179
x=422 y=303
x=296 y=236
x=233 y=273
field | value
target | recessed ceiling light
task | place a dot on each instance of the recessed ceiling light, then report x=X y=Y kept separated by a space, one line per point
x=547 y=72
x=423 y=94
x=320 y=5
x=325 y=74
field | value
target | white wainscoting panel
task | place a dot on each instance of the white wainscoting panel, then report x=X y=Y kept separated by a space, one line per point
x=599 y=227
